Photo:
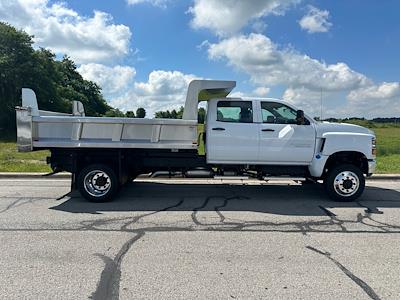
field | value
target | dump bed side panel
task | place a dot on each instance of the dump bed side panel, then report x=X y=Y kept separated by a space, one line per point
x=89 y=132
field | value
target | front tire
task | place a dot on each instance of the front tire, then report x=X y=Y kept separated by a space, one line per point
x=344 y=183
x=97 y=183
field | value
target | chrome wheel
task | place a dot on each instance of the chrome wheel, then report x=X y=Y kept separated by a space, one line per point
x=97 y=183
x=346 y=183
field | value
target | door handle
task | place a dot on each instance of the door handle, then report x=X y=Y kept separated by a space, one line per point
x=218 y=128
x=267 y=129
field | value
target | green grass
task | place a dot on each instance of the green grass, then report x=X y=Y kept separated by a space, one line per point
x=388 y=164
x=388 y=135
x=13 y=161
x=387 y=140
x=388 y=147
x=388 y=144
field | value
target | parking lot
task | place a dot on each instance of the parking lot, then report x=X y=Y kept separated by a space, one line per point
x=198 y=239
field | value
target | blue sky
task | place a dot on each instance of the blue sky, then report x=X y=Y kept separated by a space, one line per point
x=144 y=52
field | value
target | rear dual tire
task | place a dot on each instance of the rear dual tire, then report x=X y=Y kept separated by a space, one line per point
x=344 y=183
x=97 y=183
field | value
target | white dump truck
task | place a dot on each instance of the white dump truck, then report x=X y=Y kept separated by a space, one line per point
x=247 y=137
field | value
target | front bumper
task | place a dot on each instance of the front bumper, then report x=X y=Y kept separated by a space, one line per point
x=371 y=166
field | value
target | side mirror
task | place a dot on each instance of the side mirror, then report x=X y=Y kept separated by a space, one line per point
x=300 y=117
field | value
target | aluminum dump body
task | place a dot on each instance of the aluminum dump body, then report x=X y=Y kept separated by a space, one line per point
x=98 y=132
x=37 y=129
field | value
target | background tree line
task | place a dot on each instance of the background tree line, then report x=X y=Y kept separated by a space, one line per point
x=56 y=82
x=177 y=114
x=372 y=123
x=115 y=112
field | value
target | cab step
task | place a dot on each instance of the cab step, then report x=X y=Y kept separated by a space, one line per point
x=267 y=178
x=232 y=177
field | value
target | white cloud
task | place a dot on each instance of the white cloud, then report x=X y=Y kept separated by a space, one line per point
x=259 y=57
x=113 y=80
x=163 y=90
x=159 y=3
x=381 y=100
x=261 y=91
x=63 y=30
x=376 y=92
x=345 y=91
x=229 y=16
x=371 y=101
x=315 y=20
x=237 y=94
x=305 y=99
x=164 y=83
x=257 y=92
x=259 y=26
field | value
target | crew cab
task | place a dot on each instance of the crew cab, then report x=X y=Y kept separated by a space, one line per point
x=260 y=138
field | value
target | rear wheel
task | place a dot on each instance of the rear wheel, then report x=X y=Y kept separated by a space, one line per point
x=97 y=183
x=345 y=183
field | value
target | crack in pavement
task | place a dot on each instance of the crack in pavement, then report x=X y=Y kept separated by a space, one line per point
x=369 y=211
x=109 y=284
x=136 y=219
x=327 y=211
x=20 y=202
x=110 y=278
x=216 y=209
x=11 y=205
x=243 y=228
x=361 y=283
x=92 y=224
x=302 y=226
x=65 y=195
x=334 y=218
x=196 y=209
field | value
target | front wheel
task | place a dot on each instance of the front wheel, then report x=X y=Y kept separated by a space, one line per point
x=345 y=183
x=97 y=183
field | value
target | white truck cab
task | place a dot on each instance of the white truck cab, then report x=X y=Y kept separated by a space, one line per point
x=261 y=138
x=268 y=132
x=258 y=131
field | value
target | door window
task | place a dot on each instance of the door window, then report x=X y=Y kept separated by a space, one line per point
x=279 y=113
x=235 y=111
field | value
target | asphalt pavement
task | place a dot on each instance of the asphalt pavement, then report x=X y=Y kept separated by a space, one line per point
x=198 y=239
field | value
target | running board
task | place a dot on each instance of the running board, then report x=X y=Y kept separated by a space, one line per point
x=232 y=177
x=267 y=178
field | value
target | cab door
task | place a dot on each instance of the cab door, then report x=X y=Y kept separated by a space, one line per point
x=282 y=141
x=232 y=135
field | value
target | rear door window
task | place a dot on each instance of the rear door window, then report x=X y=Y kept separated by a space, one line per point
x=235 y=111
